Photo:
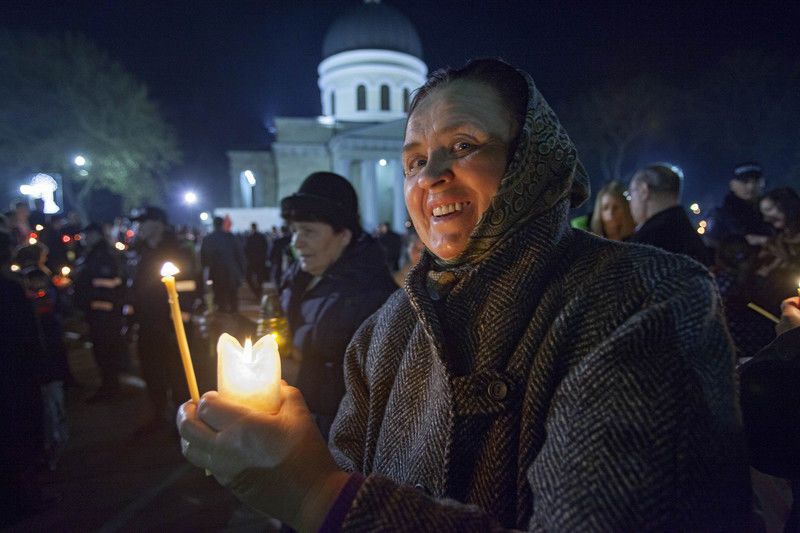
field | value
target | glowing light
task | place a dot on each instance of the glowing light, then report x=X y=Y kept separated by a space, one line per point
x=701 y=230
x=42 y=186
x=382 y=162
x=39 y=227
x=204 y=216
x=190 y=197
x=119 y=246
x=250 y=177
x=79 y=160
x=83 y=172
x=326 y=120
x=65 y=239
x=14 y=268
x=703 y=224
x=77 y=236
x=32 y=241
x=695 y=208
x=65 y=270
x=129 y=233
x=169 y=269
x=27 y=190
x=33 y=235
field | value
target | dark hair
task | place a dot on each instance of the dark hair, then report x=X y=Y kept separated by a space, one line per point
x=662 y=177
x=508 y=82
x=217 y=222
x=788 y=202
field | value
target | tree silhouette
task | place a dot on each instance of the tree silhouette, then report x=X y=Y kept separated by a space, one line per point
x=61 y=96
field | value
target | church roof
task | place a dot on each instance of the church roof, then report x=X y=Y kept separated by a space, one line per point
x=372 y=25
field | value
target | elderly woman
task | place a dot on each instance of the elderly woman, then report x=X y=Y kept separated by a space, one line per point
x=528 y=376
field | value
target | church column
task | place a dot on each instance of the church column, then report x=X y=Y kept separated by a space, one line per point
x=369 y=195
x=342 y=167
x=398 y=202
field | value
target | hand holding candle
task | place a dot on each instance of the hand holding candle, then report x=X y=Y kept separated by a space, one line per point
x=249 y=375
x=168 y=272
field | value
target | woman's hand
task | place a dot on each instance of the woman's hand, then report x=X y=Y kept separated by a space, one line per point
x=276 y=463
x=790 y=315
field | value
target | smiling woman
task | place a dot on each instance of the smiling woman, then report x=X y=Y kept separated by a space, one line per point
x=528 y=376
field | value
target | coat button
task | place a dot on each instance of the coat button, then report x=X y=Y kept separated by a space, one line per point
x=497 y=390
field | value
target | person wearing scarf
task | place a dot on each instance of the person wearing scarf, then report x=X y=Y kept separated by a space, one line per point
x=528 y=375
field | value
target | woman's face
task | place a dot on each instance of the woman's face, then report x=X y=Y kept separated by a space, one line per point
x=612 y=210
x=772 y=213
x=455 y=153
x=318 y=245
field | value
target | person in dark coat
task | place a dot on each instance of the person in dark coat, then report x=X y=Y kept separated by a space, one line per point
x=255 y=252
x=222 y=256
x=655 y=193
x=157 y=344
x=527 y=377
x=22 y=360
x=339 y=280
x=739 y=214
x=392 y=244
x=279 y=255
x=99 y=293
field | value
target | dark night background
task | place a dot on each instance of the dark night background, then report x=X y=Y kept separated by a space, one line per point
x=221 y=71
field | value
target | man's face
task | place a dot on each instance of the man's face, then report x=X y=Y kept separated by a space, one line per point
x=638 y=193
x=748 y=190
x=318 y=245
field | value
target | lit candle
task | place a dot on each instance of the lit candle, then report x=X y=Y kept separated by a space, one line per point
x=249 y=375
x=168 y=272
x=65 y=270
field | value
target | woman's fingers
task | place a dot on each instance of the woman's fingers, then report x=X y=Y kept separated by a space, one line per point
x=218 y=413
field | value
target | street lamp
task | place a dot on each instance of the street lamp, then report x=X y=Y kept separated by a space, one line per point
x=251 y=180
x=79 y=160
x=190 y=197
x=204 y=216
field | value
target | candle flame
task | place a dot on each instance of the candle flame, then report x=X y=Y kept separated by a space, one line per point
x=247 y=353
x=65 y=271
x=169 y=269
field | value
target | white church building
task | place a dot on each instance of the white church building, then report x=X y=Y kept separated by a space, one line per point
x=372 y=61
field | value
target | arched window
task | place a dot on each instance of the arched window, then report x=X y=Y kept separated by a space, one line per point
x=385 y=98
x=333 y=103
x=405 y=99
x=361 y=98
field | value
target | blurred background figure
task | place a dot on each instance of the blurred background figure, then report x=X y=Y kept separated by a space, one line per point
x=655 y=193
x=339 y=279
x=99 y=293
x=20 y=224
x=392 y=244
x=611 y=217
x=255 y=253
x=738 y=214
x=413 y=253
x=222 y=256
x=280 y=255
x=157 y=345
x=22 y=362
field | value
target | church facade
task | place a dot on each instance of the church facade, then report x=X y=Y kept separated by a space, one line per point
x=372 y=62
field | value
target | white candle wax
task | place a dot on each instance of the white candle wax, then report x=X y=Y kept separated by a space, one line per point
x=249 y=375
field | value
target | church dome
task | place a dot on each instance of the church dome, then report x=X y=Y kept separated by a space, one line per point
x=372 y=25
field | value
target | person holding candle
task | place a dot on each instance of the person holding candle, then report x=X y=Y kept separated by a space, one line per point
x=340 y=278
x=529 y=376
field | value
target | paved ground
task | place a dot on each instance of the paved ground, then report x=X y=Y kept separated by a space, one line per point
x=109 y=480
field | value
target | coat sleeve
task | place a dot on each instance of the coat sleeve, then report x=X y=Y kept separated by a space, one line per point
x=643 y=432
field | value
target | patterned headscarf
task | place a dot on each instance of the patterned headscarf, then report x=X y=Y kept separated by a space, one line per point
x=543 y=170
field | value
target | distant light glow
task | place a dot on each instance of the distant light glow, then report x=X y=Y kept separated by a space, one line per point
x=250 y=177
x=27 y=190
x=65 y=270
x=83 y=172
x=190 y=197
x=204 y=216
x=79 y=160
x=695 y=208
x=32 y=241
x=119 y=246
x=326 y=120
x=701 y=230
x=169 y=269
x=39 y=227
x=382 y=162
x=702 y=223
x=42 y=186
x=65 y=239
x=14 y=268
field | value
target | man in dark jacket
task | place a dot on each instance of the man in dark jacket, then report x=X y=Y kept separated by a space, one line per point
x=255 y=251
x=655 y=193
x=739 y=214
x=340 y=279
x=99 y=291
x=220 y=253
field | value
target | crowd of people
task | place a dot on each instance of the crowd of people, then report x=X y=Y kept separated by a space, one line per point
x=491 y=367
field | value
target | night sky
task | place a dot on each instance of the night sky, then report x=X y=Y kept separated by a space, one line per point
x=222 y=70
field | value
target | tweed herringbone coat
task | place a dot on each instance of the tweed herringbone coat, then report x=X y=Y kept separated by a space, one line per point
x=601 y=396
